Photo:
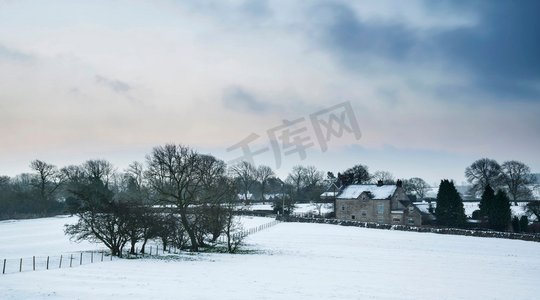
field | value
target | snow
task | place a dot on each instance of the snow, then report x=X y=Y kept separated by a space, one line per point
x=378 y=192
x=39 y=237
x=329 y=194
x=297 y=261
x=257 y=207
x=299 y=208
x=423 y=207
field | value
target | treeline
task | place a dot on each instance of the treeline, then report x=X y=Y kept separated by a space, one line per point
x=35 y=194
x=181 y=197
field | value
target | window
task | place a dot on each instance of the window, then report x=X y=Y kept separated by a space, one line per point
x=380 y=208
x=364 y=213
x=411 y=208
x=410 y=221
x=343 y=207
x=352 y=217
x=380 y=219
x=395 y=219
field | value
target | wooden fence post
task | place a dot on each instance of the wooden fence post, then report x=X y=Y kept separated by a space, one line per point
x=81 y=259
x=60 y=265
x=102 y=255
x=33 y=263
x=71 y=261
x=150 y=250
x=92 y=257
x=47 y=262
x=20 y=266
x=4 y=268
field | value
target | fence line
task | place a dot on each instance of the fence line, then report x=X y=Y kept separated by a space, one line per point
x=79 y=258
x=244 y=233
x=38 y=263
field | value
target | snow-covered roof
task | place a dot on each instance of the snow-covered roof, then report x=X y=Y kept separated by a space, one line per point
x=353 y=191
x=243 y=197
x=328 y=194
x=422 y=206
x=273 y=196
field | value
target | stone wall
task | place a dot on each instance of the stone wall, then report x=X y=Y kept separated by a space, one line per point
x=453 y=231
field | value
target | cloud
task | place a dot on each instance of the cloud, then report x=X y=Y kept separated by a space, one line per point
x=13 y=54
x=502 y=50
x=350 y=37
x=238 y=98
x=113 y=84
x=498 y=53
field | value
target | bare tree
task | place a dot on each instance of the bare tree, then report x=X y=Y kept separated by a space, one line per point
x=246 y=175
x=101 y=216
x=516 y=177
x=264 y=173
x=312 y=176
x=296 y=179
x=484 y=172
x=99 y=169
x=181 y=177
x=383 y=176
x=49 y=179
x=417 y=186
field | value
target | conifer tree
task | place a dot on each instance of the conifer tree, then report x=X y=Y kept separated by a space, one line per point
x=524 y=223
x=500 y=214
x=515 y=224
x=449 y=210
x=486 y=202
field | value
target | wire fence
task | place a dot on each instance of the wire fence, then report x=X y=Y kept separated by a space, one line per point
x=75 y=259
x=244 y=233
x=62 y=261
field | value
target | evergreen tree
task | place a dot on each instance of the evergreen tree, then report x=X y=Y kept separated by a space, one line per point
x=449 y=210
x=486 y=202
x=500 y=215
x=515 y=224
x=524 y=223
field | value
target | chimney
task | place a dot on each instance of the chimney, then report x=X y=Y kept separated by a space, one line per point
x=380 y=183
x=399 y=183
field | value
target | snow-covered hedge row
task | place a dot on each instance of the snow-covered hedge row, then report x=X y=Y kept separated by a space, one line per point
x=454 y=231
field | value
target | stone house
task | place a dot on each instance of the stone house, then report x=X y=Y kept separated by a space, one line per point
x=377 y=203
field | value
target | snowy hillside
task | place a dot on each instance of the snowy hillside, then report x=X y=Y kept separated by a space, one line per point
x=294 y=261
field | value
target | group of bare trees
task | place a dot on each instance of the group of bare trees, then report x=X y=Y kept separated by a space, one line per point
x=514 y=177
x=181 y=197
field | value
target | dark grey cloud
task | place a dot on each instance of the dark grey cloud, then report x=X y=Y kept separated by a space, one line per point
x=503 y=49
x=500 y=51
x=238 y=98
x=113 y=84
x=350 y=37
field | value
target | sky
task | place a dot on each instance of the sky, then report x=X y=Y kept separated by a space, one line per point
x=432 y=85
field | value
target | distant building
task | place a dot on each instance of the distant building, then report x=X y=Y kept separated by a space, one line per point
x=274 y=196
x=246 y=197
x=379 y=203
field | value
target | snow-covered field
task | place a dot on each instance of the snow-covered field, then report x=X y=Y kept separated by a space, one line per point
x=290 y=261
